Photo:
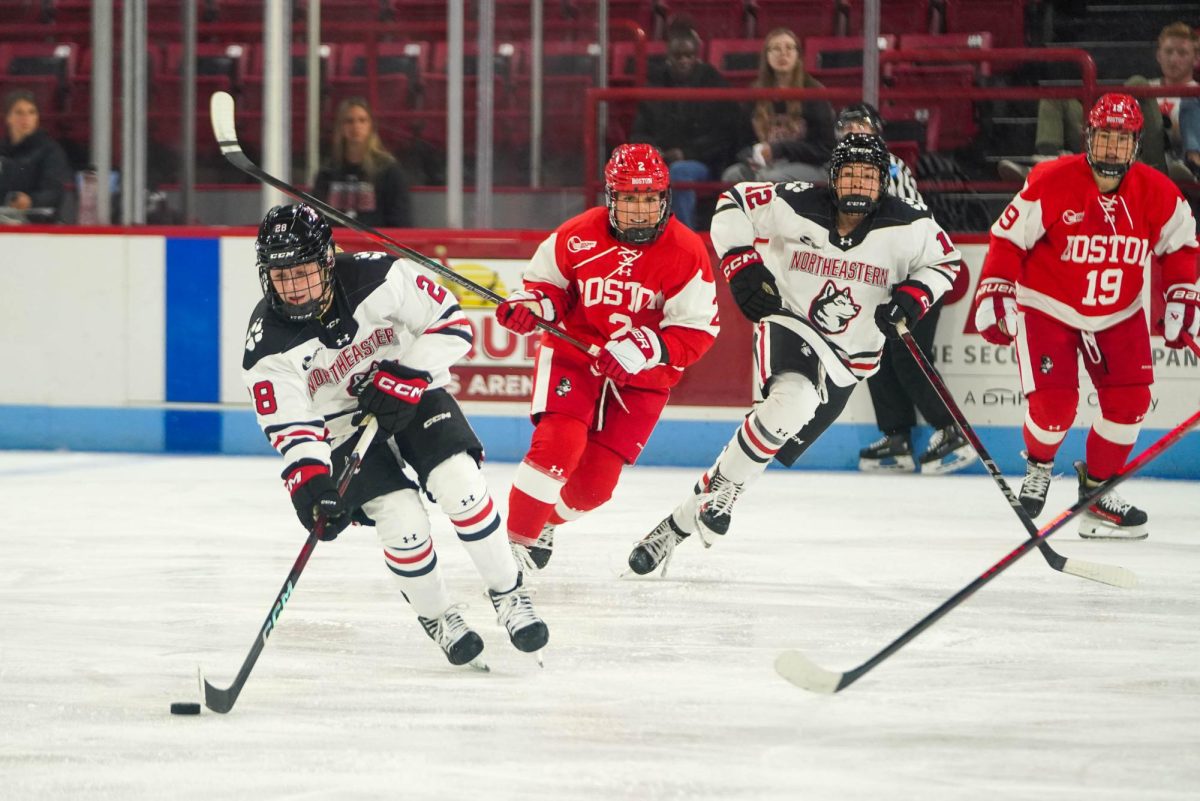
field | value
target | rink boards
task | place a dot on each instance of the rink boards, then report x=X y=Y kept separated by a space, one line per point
x=132 y=341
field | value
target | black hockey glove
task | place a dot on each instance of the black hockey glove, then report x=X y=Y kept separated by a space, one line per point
x=909 y=303
x=391 y=393
x=314 y=494
x=753 y=287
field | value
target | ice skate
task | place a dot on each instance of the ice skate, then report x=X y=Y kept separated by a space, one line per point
x=891 y=453
x=461 y=645
x=1035 y=486
x=514 y=610
x=656 y=548
x=535 y=557
x=1111 y=517
x=715 y=510
x=948 y=452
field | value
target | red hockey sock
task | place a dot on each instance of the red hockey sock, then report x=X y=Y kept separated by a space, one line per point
x=1115 y=430
x=592 y=483
x=558 y=442
x=1049 y=417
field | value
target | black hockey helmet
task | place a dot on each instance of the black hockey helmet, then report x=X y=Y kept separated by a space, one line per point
x=859 y=149
x=859 y=112
x=291 y=236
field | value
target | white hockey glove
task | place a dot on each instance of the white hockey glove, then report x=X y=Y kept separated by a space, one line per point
x=629 y=355
x=1182 y=314
x=996 y=310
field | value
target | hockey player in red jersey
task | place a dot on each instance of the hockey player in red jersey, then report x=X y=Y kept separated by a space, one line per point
x=1064 y=276
x=630 y=278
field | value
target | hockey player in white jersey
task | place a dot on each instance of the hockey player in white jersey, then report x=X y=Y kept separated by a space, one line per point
x=337 y=336
x=823 y=273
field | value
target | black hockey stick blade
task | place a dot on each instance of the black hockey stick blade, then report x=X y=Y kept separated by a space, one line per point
x=222 y=700
x=1112 y=575
x=803 y=672
x=221 y=110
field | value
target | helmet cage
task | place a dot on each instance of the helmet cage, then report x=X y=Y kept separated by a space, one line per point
x=641 y=235
x=291 y=236
x=1116 y=113
x=859 y=149
x=637 y=169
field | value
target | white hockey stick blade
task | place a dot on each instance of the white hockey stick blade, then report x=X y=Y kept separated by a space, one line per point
x=801 y=671
x=1105 y=574
x=220 y=110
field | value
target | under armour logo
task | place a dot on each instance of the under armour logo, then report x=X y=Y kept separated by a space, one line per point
x=845 y=241
x=555 y=470
x=468 y=501
x=343 y=340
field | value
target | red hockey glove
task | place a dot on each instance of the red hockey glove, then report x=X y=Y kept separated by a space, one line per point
x=910 y=300
x=391 y=393
x=996 y=310
x=1182 y=314
x=520 y=312
x=629 y=355
x=752 y=284
x=314 y=494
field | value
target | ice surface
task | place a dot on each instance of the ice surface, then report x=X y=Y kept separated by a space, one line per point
x=120 y=574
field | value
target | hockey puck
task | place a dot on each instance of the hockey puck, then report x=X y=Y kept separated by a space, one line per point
x=185 y=708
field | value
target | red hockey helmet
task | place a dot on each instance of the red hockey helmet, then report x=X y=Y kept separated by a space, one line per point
x=636 y=169
x=1121 y=114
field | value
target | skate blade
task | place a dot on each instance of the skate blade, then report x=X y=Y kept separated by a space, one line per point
x=903 y=466
x=479 y=665
x=1100 y=532
x=944 y=466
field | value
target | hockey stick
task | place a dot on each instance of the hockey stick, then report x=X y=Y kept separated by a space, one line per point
x=222 y=701
x=221 y=110
x=801 y=671
x=1105 y=574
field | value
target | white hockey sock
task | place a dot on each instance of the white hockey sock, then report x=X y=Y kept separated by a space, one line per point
x=403 y=530
x=462 y=493
x=480 y=533
x=792 y=402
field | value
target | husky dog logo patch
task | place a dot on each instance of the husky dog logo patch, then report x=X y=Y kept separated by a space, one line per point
x=833 y=309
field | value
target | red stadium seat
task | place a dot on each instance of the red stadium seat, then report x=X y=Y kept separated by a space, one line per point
x=400 y=73
x=803 y=17
x=838 y=60
x=252 y=82
x=47 y=70
x=737 y=59
x=624 y=67
x=948 y=41
x=895 y=16
x=1004 y=19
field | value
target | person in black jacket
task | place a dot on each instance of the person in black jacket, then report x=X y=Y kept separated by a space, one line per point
x=794 y=138
x=361 y=178
x=696 y=138
x=33 y=167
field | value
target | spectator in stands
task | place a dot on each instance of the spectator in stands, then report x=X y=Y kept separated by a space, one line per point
x=697 y=139
x=794 y=138
x=33 y=167
x=361 y=178
x=1060 y=122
